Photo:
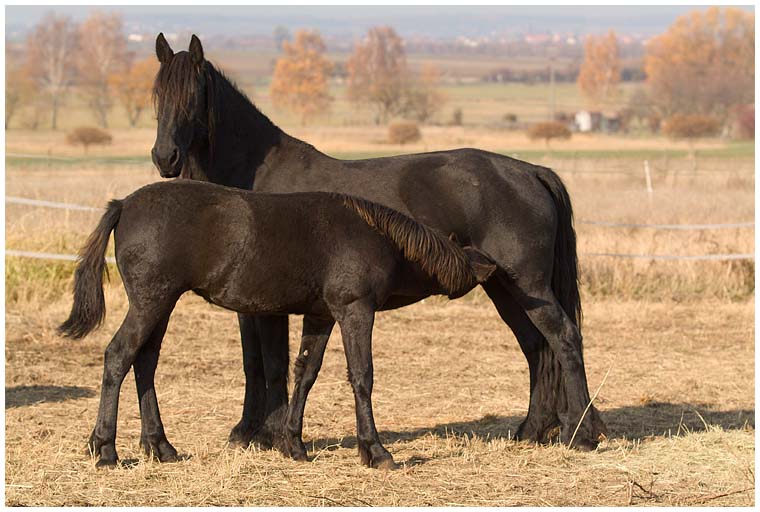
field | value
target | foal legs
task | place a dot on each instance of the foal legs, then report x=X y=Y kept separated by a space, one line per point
x=152 y=437
x=356 y=329
x=316 y=332
x=119 y=356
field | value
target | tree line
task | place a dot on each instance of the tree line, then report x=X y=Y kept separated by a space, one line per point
x=93 y=55
x=377 y=76
x=700 y=71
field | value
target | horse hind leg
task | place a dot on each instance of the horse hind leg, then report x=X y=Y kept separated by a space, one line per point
x=546 y=387
x=316 y=333
x=120 y=354
x=547 y=315
x=356 y=329
x=152 y=437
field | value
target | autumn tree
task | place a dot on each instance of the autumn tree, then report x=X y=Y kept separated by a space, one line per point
x=600 y=71
x=133 y=87
x=19 y=86
x=103 y=52
x=704 y=63
x=299 y=83
x=377 y=73
x=51 y=48
x=423 y=98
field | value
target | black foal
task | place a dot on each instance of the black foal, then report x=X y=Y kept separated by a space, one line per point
x=330 y=257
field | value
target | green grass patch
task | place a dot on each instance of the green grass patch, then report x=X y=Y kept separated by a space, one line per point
x=733 y=150
x=38 y=161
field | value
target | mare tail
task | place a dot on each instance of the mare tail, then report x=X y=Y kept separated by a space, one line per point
x=456 y=269
x=565 y=275
x=89 y=307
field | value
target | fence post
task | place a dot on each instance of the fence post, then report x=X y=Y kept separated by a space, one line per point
x=648 y=176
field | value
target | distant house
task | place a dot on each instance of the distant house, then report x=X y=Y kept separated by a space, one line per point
x=593 y=121
x=583 y=121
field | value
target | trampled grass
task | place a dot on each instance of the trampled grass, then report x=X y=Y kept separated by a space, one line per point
x=451 y=383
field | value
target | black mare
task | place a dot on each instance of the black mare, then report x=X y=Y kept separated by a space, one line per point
x=518 y=213
x=329 y=257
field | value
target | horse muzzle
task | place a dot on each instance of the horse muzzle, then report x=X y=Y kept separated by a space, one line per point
x=168 y=166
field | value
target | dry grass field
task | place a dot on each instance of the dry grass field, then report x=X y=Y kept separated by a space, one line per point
x=451 y=384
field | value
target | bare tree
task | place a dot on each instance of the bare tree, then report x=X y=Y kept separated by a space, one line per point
x=600 y=70
x=134 y=86
x=103 y=52
x=19 y=86
x=51 y=48
x=422 y=97
x=377 y=73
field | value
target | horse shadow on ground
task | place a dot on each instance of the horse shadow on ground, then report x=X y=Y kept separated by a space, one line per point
x=22 y=396
x=635 y=423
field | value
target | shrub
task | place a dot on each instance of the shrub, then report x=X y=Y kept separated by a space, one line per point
x=456 y=117
x=87 y=136
x=549 y=130
x=690 y=126
x=403 y=132
x=745 y=119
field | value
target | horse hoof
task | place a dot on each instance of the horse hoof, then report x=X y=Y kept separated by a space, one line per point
x=240 y=437
x=585 y=445
x=299 y=456
x=385 y=464
x=161 y=450
x=106 y=464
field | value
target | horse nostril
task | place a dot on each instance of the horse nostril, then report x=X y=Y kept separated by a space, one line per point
x=174 y=158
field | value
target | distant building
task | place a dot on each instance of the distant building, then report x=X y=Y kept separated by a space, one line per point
x=592 y=121
x=583 y=121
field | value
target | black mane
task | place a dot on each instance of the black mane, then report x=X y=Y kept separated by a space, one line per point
x=177 y=86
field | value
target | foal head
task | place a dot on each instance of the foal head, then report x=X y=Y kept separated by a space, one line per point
x=183 y=99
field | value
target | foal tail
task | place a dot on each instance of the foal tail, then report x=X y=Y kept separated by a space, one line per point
x=457 y=269
x=89 y=307
x=565 y=275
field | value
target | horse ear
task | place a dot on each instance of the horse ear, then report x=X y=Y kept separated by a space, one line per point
x=164 y=52
x=196 y=49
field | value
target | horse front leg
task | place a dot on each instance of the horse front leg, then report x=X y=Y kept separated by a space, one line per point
x=254 y=403
x=272 y=332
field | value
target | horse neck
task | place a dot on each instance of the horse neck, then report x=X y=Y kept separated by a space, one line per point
x=246 y=143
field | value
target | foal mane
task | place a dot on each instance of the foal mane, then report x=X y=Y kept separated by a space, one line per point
x=440 y=257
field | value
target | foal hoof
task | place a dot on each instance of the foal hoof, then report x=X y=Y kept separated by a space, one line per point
x=104 y=451
x=160 y=450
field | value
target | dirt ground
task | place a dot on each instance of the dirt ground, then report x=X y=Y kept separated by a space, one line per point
x=451 y=387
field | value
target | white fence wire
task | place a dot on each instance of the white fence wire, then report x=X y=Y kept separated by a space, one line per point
x=696 y=227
